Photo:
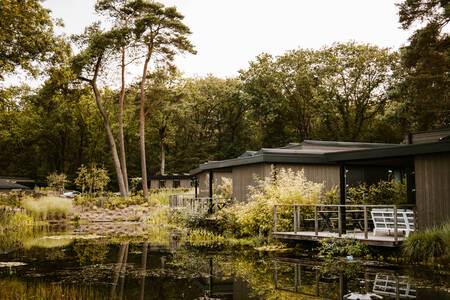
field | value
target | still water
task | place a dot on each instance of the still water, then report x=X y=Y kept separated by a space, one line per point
x=68 y=265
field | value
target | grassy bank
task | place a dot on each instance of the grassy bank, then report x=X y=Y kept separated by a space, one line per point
x=429 y=246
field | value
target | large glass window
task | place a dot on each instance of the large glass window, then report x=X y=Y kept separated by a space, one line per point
x=162 y=184
x=176 y=183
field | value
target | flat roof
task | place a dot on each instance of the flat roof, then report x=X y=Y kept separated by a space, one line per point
x=9 y=184
x=404 y=150
x=266 y=155
x=312 y=156
x=340 y=144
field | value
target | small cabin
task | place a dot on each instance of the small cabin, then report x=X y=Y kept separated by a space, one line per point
x=171 y=181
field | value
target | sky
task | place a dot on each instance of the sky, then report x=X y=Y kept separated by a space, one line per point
x=228 y=34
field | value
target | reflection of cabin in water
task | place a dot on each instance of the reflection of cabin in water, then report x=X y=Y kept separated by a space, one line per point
x=313 y=280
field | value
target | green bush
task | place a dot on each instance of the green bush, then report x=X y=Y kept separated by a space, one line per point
x=46 y=208
x=13 y=220
x=256 y=216
x=12 y=199
x=429 y=245
x=384 y=192
x=335 y=247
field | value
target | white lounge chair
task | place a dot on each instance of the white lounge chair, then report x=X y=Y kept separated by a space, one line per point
x=383 y=220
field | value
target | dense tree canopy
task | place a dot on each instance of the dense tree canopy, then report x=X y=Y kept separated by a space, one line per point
x=344 y=91
x=426 y=59
x=26 y=36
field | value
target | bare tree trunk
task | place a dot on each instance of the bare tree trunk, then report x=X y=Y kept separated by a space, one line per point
x=123 y=160
x=142 y=130
x=111 y=140
x=163 y=159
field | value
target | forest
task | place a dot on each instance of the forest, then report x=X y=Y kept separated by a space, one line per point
x=87 y=110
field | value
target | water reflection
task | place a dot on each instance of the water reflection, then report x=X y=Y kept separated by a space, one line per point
x=55 y=265
x=314 y=280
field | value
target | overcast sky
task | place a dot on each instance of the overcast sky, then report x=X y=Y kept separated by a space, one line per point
x=229 y=33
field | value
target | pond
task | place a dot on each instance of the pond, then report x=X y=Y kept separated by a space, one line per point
x=66 y=264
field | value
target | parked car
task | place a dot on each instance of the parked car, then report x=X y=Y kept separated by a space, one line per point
x=70 y=194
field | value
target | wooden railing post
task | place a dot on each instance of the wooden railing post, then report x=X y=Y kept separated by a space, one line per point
x=316 y=221
x=299 y=218
x=339 y=221
x=295 y=219
x=395 y=224
x=366 y=234
x=274 y=218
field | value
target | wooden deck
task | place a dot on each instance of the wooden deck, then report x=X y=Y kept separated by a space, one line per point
x=378 y=240
x=391 y=223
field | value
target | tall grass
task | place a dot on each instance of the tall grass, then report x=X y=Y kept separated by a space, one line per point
x=429 y=245
x=46 y=208
x=256 y=216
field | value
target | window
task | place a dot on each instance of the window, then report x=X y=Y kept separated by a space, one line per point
x=176 y=183
x=162 y=184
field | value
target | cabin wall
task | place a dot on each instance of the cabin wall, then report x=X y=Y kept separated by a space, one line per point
x=218 y=179
x=154 y=184
x=244 y=176
x=203 y=184
x=432 y=178
x=328 y=174
x=185 y=183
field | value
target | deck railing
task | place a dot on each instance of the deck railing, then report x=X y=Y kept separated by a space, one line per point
x=316 y=280
x=387 y=217
x=193 y=203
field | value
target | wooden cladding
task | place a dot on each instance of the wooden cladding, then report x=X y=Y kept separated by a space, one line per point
x=432 y=177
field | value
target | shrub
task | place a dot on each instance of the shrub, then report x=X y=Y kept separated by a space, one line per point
x=428 y=245
x=256 y=216
x=384 y=192
x=93 y=178
x=334 y=247
x=48 y=207
x=12 y=199
x=13 y=220
x=57 y=181
x=226 y=189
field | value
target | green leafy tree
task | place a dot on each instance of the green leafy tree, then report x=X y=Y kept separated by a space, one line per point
x=88 y=66
x=161 y=34
x=355 y=81
x=424 y=92
x=92 y=178
x=26 y=36
x=57 y=181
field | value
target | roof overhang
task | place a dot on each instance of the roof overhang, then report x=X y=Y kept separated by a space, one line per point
x=390 y=152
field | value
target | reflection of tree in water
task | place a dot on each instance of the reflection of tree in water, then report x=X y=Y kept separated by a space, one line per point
x=90 y=251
